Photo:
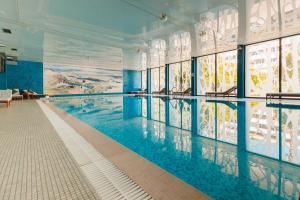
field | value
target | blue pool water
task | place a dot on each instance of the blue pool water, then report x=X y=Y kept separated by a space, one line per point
x=228 y=150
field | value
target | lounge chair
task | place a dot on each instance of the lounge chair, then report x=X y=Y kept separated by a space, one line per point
x=228 y=93
x=280 y=95
x=162 y=91
x=6 y=97
x=137 y=92
x=185 y=92
x=16 y=95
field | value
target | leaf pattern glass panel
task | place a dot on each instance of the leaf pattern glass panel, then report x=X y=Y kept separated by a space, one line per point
x=226 y=70
x=155 y=79
x=162 y=78
x=291 y=64
x=290 y=15
x=186 y=75
x=262 y=68
x=175 y=77
x=206 y=74
x=262 y=19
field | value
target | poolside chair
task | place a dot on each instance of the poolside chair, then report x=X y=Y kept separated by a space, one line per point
x=6 y=97
x=138 y=92
x=185 y=92
x=228 y=93
x=162 y=91
x=280 y=95
x=16 y=95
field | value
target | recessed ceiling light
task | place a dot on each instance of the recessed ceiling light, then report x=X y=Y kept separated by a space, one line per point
x=6 y=30
x=14 y=49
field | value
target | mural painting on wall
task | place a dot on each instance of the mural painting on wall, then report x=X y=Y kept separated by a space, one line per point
x=77 y=80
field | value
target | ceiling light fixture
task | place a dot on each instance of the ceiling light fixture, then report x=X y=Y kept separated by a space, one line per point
x=2 y=45
x=163 y=17
x=14 y=49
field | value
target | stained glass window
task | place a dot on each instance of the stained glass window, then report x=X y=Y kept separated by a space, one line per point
x=262 y=19
x=262 y=68
x=186 y=75
x=162 y=78
x=206 y=74
x=291 y=64
x=175 y=77
x=180 y=46
x=226 y=70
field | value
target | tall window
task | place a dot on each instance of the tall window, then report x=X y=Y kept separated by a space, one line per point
x=262 y=68
x=175 y=77
x=291 y=64
x=155 y=80
x=219 y=78
x=226 y=70
x=162 y=78
x=180 y=76
x=206 y=74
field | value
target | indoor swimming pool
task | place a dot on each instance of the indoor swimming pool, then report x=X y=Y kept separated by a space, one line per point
x=228 y=150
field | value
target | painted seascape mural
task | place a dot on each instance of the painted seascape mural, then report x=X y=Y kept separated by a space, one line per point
x=78 y=80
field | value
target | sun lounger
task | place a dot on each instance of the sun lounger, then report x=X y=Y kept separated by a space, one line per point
x=186 y=92
x=137 y=92
x=162 y=91
x=229 y=93
x=282 y=95
x=6 y=97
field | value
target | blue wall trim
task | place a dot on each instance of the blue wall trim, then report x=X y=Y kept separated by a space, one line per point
x=132 y=80
x=26 y=75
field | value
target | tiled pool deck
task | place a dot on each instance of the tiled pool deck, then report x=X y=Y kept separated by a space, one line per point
x=38 y=161
x=34 y=162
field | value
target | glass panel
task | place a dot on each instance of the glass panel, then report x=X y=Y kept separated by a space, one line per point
x=186 y=75
x=144 y=80
x=290 y=11
x=262 y=71
x=226 y=124
x=291 y=136
x=155 y=80
x=162 y=78
x=262 y=129
x=206 y=121
x=206 y=74
x=291 y=64
x=262 y=19
x=226 y=70
x=175 y=77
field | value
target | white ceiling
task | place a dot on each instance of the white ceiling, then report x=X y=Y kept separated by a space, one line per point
x=91 y=32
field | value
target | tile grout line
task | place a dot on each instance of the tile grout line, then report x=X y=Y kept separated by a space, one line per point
x=108 y=181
